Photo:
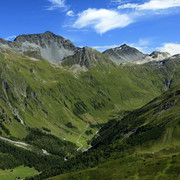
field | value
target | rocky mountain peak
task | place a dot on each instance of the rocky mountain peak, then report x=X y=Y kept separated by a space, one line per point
x=85 y=57
x=49 y=33
x=82 y=57
x=35 y=37
x=41 y=39
x=47 y=45
x=123 y=53
x=124 y=46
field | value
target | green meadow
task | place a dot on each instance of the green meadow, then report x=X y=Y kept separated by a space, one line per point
x=20 y=172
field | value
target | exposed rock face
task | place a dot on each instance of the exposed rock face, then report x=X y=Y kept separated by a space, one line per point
x=85 y=57
x=82 y=57
x=124 y=53
x=47 y=45
x=159 y=55
x=154 y=56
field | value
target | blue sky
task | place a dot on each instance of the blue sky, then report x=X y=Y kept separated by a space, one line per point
x=146 y=24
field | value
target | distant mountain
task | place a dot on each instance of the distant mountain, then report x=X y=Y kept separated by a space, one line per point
x=124 y=53
x=46 y=45
x=56 y=49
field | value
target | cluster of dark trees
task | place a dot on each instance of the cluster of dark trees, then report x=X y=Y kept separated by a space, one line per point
x=12 y=156
x=50 y=143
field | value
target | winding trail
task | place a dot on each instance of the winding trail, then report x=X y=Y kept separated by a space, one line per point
x=78 y=142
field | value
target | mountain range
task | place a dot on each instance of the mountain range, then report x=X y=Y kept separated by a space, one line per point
x=56 y=49
x=62 y=106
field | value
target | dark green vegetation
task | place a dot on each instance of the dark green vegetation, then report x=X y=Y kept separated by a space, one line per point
x=145 y=167
x=12 y=156
x=145 y=142
x=59 y=108
x=50 y=143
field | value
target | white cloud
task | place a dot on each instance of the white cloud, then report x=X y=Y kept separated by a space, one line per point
x=152 y=5
x=128 y=5
x=55 y=4
x=171 y=48
x=70 y=13
x=160 y=4
x=102 y=20
x=10 y=38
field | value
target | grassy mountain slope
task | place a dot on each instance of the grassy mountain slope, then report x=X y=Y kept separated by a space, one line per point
x=145 y=143
x=49 y=106
x=67 y=101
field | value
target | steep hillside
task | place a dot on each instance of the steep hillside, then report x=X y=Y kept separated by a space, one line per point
x=157 y=119
x=145 y=142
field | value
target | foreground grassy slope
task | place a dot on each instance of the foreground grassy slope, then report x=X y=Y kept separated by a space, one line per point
x=144 y=167
x=145 y=143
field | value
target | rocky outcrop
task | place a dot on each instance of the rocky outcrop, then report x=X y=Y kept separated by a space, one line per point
x=85 y=57
x=159 y=55
x=154 y=56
